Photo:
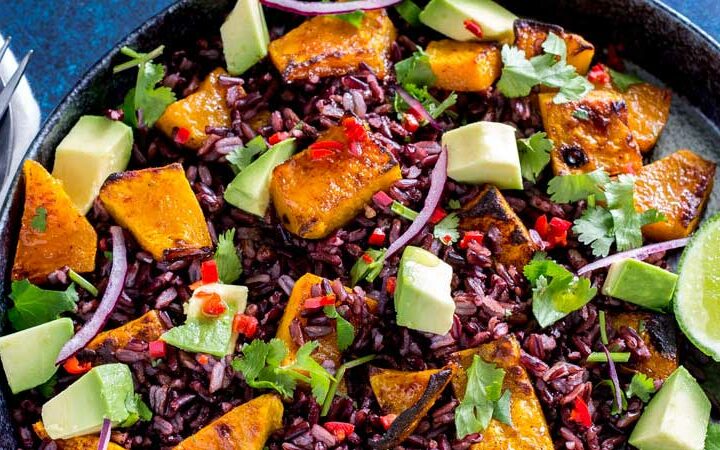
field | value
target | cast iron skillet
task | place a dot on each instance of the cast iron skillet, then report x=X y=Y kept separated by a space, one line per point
x=655 y=37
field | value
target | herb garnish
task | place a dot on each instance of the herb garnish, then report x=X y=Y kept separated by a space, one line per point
x=242 y=156
x=39 y=220
x=345 y=330
x=641 y=386
x=446 y=231
x=227 y=259
x=368 y=266
x=34 y=306
x=534 y=155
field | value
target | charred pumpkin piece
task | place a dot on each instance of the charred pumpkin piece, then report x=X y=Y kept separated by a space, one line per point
x=147 y=327
x=658 y=333
x=206 y=107
x=245 y=427
x=590 y=133
x=464 y=66
x=326 y=46
x=489 y=210
x=315 y=196
x=678 y=186
x=529 y=430
x=159 y=208
x=327 y=348
x=76 y=443
x=53 y=233
x=530 y=35
x=417 y=393
x=648 y=112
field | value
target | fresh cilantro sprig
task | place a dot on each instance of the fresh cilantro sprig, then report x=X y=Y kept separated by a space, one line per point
x=623 y=81
x=556 y=291
x=484 y=399
x=345 y=330
x=712 y=438
x=261 y=365
x=520 y=75
x=446 y=231
x=415 y=70
x=145 y=97
x=227 y=258
x=641 y=386
x=242 y=156
x=138 y=410
x=534 y=155
x=39 y=220
x=409 y=11
x=35 y=306
x=575 y=187
x=368 y=266
x=354 y=18
x=434 y=107
x=338 y=379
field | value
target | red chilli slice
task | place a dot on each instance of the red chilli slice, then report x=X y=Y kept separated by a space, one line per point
x=157 y=349
x=377 y=237
x=474 y=28
x=340 y=429
x=245 y=324
x=318 y=302
x=182 y=135
x=209 y=272
x=581 y=413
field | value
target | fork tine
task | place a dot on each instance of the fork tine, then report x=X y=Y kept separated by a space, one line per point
x=7 y=93
x=5 y=47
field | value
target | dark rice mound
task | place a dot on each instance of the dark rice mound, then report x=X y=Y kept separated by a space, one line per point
x=492 y=300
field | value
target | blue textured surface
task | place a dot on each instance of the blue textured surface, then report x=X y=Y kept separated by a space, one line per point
x=68 y=37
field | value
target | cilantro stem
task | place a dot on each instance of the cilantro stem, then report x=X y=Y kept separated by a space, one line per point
x=338 y=379
x=82 y=282
x=603 y=329
x=600 y=357
x=138 y=58
x=403 y=211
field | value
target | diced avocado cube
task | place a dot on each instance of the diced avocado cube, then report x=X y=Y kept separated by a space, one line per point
x=449 y=16
x=95 y=148
x=640 y=283
x=484 y=152
x=676 y=418
x=245 y=36
x=422 y=295
x=103 y=392
x=28 y=356
x=250 y=190
x=204 y=334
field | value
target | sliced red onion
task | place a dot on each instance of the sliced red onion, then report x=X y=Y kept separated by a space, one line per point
x=417 y=108
x=614 y=378
x=437 y=185
x=637 y=253
x=109 y=299
x=104 y=435
x=321 y=8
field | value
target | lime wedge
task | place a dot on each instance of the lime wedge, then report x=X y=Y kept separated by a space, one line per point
x=697 y=296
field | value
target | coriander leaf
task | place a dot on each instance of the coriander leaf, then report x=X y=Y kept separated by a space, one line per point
x=712 y=438
x=518 y=74
x=242 y=156
x=454 y=204
x=409 y=11
x=319 y=377
x=541 y=265
x=482 y=393
x=259 y=365
x=137 y=410
x=595 y=228
x=446 y=231
x=614 y=409
x=571 y=188
x=47 y=389
x=34 y=306
x=581 y=113
x=641 y=386
x=433 y=106
x=575 y=88
x=345 y=330
x=368 y=266
x=354 y=18
x=415 y=70
x=227 y=259
x=555 y=45
x=534 y=155
x=39 y=220
x=627 y=222
x=623 y=81
x=502 y=411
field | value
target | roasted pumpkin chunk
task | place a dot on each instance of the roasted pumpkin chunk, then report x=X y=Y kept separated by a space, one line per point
x=245 y=427
x=529 y=430
x=530 y=35
x=203 y=108
x=648 y=112
x=326 y=46
x=147 y=327
x=678 y=186
x=315 y=196
x=76 y=443
x=489 y=211
x=53 y=233
x=409 y=395
x=658 y=333
x=590 y=133
x=327 y=348
x=464 y=66
x=160 y=209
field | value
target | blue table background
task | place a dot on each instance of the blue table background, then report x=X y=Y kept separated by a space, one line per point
x=68 y=37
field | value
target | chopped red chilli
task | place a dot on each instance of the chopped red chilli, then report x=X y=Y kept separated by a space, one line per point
x=581 y=413
x=382 y=199
x=213 y=305
x=437 y=215
x=386 y=421
x=278 y=137
x=319 y=153
x=410 y=122
x=340 y=429
x=367 y=258
x=330 y=145
x=377 y=237
x=390 y=285
x=553 y=233
x=157 y=349
x=318 y=302
x=245 y=324
x=209 y=272
x=471 y=236
x=473 y=27
x=598 y=75
x=182 y=135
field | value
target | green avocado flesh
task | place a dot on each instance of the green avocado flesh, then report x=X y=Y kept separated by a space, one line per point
x=640 y=283
x=95 y=148
x=449 y=16
x=250 y=190
x=28 y=356
x=676 y=418
x=484 y=152
x=422 y=295
x=245 y=36
x=211 y=335
x=81 y=408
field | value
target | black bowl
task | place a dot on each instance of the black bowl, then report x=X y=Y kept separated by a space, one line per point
x=656 y=38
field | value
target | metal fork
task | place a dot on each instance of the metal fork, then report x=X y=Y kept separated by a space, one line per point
x=7 y=92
